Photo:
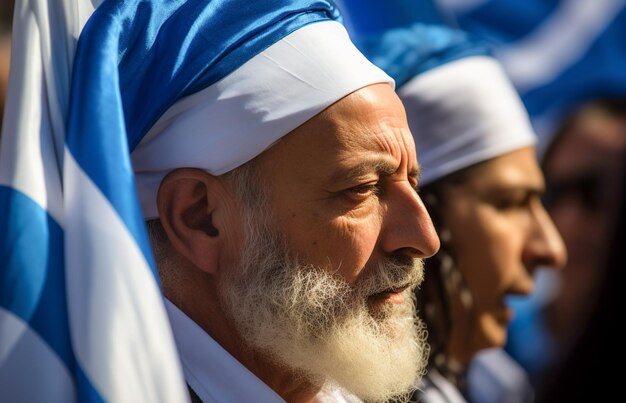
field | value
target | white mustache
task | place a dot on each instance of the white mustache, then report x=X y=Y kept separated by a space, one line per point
x=390 y=275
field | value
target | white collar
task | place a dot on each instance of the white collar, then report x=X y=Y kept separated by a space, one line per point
x=214 y=374
x=437 y=389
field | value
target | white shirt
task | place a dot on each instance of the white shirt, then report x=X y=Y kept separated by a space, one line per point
x=437 y=389
x=495 y=377
x=217 y=377
x=214 y=374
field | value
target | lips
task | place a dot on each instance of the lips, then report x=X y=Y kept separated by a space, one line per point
x=391 y=295
x=398 y=289
x=391 y=290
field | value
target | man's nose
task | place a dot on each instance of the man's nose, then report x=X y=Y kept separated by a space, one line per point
x=407 y=226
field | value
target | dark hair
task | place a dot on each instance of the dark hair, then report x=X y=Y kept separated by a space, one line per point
x=442 y=281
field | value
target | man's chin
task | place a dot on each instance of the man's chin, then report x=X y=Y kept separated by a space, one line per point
x=373 y=358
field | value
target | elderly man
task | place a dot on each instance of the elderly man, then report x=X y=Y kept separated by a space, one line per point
x=280 y=192
x=299 y=263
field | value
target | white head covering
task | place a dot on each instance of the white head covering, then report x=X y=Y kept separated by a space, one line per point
x=462 y=113
x=234 y=120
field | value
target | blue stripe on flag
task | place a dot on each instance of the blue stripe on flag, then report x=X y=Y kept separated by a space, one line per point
x=31 y=245
x=32 y=278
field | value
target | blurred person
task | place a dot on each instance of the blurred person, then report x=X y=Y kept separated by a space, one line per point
x=482 y=185
x=595 y=339
x=584 y=169
x=583 y=165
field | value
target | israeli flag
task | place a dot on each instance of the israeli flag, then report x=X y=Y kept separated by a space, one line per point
x=557 y=53
x=81 y=315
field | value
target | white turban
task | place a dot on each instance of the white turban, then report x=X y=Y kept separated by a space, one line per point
x=462 y=113
x=237 y=118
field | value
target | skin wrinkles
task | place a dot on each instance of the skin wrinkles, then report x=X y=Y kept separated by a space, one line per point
x=373 y=148
x=357 y=174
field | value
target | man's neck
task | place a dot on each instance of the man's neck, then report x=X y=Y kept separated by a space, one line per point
x=205 y=310
x=292 y=387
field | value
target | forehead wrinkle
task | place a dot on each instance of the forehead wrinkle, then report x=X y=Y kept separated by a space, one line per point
x=364 y=129
x=381 y=135
x=390 y=157
x=401 y=148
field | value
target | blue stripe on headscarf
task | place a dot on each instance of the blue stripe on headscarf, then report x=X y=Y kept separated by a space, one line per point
x=32 y=241
x=137 y=58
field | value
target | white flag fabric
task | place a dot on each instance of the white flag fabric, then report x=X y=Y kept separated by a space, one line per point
x=81 y=315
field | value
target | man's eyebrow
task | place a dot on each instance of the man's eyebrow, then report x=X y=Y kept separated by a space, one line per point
x=354 y=172
x=381 y=167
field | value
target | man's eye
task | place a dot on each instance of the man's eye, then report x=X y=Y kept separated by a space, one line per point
x=363 y=191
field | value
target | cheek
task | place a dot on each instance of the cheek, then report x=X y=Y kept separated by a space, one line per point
x=488 y=252
x=350 y=245
x=490 y=332
x=339 y=244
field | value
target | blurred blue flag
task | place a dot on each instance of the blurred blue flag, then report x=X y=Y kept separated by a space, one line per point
x=557 y=53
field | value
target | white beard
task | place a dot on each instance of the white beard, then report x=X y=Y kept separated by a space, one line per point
x=314 y=323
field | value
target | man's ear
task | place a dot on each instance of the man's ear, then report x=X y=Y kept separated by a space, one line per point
x=187 y=202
